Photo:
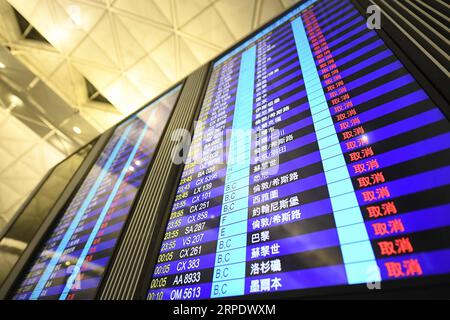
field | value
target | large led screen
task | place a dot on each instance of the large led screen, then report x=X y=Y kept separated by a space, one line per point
x=323 y=163
x=75 y=255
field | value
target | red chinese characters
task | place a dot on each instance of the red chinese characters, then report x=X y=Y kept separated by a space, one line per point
x=382 y=210
x=395 y=247
x=376 y=194
x=390 y=227
x=370 y=180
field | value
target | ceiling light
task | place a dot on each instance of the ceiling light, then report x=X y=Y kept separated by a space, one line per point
x=74 y=13
x=2 y=65
x=77 y=130
x=15 y=101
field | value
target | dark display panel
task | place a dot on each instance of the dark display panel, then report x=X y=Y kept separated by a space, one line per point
x=75 y=256
x=24 y=228
x=345 y=179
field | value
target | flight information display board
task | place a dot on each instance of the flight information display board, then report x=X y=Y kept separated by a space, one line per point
x=74 y=258
x=323 y=164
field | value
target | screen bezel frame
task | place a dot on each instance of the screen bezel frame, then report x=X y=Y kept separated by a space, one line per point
x=401 y=288
x=40 y=242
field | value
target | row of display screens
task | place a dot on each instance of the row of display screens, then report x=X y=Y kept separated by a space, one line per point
x=317 y=161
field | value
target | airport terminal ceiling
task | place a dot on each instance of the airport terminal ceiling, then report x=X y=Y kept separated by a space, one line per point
x=318 y=167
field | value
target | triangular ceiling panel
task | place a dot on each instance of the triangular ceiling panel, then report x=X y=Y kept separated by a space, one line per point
x=147 y=36
x=99 y=1
x=16 y=147
x=209 y=26
x=6 y=157
x=25 y=7
x=148 y=77
x=12 y=129
x=101 y=119
x=100 y=77
x=23 y=185
x=165 y=57
x=19 y=171
x=44 y=62
x=56 y=26
x=186 y=10
x=269 y=8
x=50 y=156
x=238 y=15
x=124 y=95
x=188 y=61
x=61 y=143
x=62 y=80
x=81 y=15
x=202 y=53
x=289 y=3
x=101 y=41
x=131 y=50
x=2 y=35
x=8 y=196
x=35 y=158
x=166 y=9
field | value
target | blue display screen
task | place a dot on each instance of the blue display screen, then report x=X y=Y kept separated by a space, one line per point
x=323 y=163
x=73 y=259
